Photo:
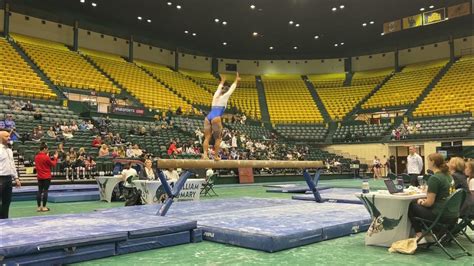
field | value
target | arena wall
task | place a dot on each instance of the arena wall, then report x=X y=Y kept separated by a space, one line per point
x=374 y=61
x=464 y=46
x=194 y=62
x=423 y=53
x=156 y=55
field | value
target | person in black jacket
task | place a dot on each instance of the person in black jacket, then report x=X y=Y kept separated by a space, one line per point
x=456 y=169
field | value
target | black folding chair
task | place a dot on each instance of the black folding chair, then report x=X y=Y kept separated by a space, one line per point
x=208 y=186
x=443 y=227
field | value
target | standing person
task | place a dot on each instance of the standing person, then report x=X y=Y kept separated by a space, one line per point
x=377 y=168
x=43 y=166
x=7 y=174
x=414 y=166
x=457 y=167
x=213 y=121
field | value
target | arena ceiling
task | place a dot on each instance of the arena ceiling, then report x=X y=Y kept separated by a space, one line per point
x=255 y=28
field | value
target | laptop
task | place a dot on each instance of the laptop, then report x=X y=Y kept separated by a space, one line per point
x=392 y=187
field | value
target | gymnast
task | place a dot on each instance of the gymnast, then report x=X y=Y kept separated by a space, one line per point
x=213 y=121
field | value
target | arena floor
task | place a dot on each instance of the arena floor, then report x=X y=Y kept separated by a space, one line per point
x=346 y=250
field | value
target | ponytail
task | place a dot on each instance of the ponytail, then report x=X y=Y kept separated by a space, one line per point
x=439 y=162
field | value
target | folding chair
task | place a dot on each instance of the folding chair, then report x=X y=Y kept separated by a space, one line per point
x=209 y=186
x=445 y=228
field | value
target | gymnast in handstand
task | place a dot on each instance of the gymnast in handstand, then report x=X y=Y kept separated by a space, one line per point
x=213 y=121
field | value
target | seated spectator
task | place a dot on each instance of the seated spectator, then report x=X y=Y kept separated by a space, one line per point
x=9 y=123
x=74 y=126
x=149 y=172
x=35 y=136
x=38 y=115
x=28 y=106
x=14 y=136
x=68 y=167
x=67 y=134
x=82 y=152
x=40 y=131
x=117 y=140
x=108 y=139
x=104 y=151
x=2 y=124
x=64 y=126
x=14 y=105
x=51 y=134
x=80 y=166
x=57 y=127
x=469 y=172
x=121 y=152
x=97 y=142
x=90 y=125
x=142 y=131
x=457 y=167
x=172 y=149
x=114 y=152
x=171 y=175
x=90 y=166
x=129 y=152
x=83 y=126
x=136 y=151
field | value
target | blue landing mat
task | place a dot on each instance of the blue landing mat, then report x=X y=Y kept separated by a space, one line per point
x=266 y=224
x=294 y=189
x=72 y=196
x=341 y=195
x=29 y=192
x=79 y=237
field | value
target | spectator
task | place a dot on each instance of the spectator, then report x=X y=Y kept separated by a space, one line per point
x=51 y=134
x=90 y=165
x=64 y=127
x=83 y=126
x=172 y=149
x=97 y=142
x=2 y=124
x=142 y=131
x=14 y=136
x=457 y=167
x=14 y=105
x=129 y=152
x=35 y=136
x=149 y=172
x=73 y=127
x=67 y=134
x=90 y=126
x=136 y=151
x=38 y=115
x=104 y=151
x=171 y=175
x=57 y=127
x=169 y=115
x=68 y=165
x=72 y=154
x=80 y=166
x=121 y=152
x=117 y=139
x=113 y=101
x=377 y=168
x=469 y=171
x=28 y=106
x=82 y=152
x=9 y=123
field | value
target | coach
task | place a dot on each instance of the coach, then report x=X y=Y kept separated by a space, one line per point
x=7 y=174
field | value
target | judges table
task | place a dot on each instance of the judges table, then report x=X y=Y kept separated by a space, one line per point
x=107 y=185
x=389 y=213
x=152 y=191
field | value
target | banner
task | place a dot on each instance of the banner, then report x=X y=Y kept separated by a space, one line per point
x=412 y=21
x=459 y=10
x=392 y=26
x=433 y=16
x=127 y=110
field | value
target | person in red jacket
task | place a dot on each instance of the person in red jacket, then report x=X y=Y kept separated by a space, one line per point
x=43 y=166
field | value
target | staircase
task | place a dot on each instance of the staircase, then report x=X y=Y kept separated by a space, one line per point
x=316 y=99
x=123 y=92
x=35 y=68
x=331 y=130
x=262 y=100
x=430 y=87
x=348 y=80
x=357 y=108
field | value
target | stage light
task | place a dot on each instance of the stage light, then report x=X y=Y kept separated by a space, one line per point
x=295 y=48
x=422 y=9
x=224 y=43
x=341 y=6
x=186 y=32
x=432 y=6
x=336 y=45
x=194 y=34
x=83 y=1
x=255 y=34
x=148 y=20
x=224 y=23
x=372 y=22
x=94 y=4
x=178 y=7
x=291 y=22
x=364 y=24
x=169 y=3
x=334 y=9
x=139 y=18
x=216 y=20
x=252 y=6
x=271 y=48
x=316 y=37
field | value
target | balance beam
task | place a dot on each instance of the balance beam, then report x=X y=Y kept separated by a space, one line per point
x=200 y=164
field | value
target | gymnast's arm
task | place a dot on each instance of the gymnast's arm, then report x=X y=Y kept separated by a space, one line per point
x=233 y=86
x=219 y=88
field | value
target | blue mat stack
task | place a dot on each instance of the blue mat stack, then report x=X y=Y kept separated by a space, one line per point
x=266 y=224
x=340 y=195
x=61 y=239
x=29 y=193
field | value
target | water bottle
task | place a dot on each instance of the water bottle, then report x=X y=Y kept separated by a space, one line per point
x=365 y=186
x=400 y=185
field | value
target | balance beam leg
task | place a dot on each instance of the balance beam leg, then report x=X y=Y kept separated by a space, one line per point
x=177 y=188
x=312 y=184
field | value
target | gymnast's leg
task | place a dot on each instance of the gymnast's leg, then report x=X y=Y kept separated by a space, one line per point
x=207 y=138
x=217 y=134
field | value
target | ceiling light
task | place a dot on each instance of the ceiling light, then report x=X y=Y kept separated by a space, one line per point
x=139 y=18
x=271 y=48
x=94 y=4
x=432 y=6
x=148 y=20
x=291 y=22
x=364 y=24
x=186 y=32
x=178 y=7
x=224 y=23
x=252 y=6
x=336 y=44
x=224 y=43
x=341 y=6
x=422 y=9
x=382 y=34
x=169 y=3
x=295 y=47
x=216 y=20
x=334 y=9
x=316 y=37
x=255 y=33
x=372 y=22
x=342 y=43
x=194 y=34
x=297 y=25
x=83 y=1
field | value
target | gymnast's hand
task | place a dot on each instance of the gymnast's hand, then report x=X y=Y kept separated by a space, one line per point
x=222 y=78
x=237 y=77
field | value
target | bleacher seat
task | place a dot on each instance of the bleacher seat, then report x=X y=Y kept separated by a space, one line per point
x=289 y=100
x=302 y=132
x=404 y=87
x=327 y=80
x=17 y=79
x=453 y=94
x=370 y=77
x=341 y=100
x=361 y=132
x=64 y=67
x=442 y=127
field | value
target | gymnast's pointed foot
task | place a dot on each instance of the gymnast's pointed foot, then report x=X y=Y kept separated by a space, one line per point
x=217 y=158
x=204 y=156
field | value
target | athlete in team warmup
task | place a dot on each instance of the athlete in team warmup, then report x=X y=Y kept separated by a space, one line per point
x=213 y=121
